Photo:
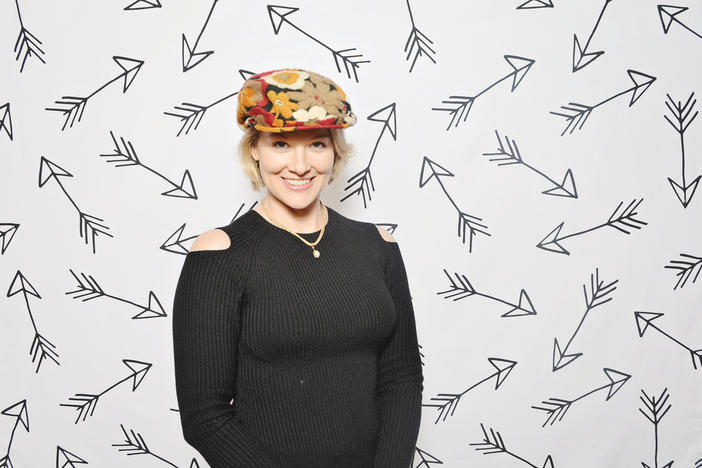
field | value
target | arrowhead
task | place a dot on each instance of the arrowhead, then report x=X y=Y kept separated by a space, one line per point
x=174 y=243
x=18 y=410
x=548 y=463
x=144 y=5
x=580 y=58
x=131 y=67
x=617 y=378
x=245 y=74
x=139 y=369
x=550 y=242
x=525 y=306
x=521 y=66
x=667 y=15
x=154 y=308
x=436 y=171
x=685 y=194
x=566 y=188
x=7 y=233
x=20 y=284
x=387 y=116
x=644 y=319
x=6 y=119
x=641 y=81
x=559 y=359
x=184 y=190
x=53 y=171
x=64 y=458
x=533 y=4
x=504 y=367
x=277 y=15
x=191 y=58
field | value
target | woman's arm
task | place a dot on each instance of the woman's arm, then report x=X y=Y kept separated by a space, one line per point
x=205 y=334
x=399 y=374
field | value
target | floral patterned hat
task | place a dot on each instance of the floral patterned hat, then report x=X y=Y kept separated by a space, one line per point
x=292 y=99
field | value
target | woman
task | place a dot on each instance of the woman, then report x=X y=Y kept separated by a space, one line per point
x=287 y=356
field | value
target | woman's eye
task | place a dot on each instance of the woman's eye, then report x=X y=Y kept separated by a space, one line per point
x=321 y=143
x=275 y=143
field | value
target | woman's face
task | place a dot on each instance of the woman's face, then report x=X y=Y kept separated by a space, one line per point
x=288 y=158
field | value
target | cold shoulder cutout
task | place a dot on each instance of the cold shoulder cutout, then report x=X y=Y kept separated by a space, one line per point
x=386 y=234
x=214 y=239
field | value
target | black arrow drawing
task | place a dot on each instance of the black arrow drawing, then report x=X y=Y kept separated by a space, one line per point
x=698 y=463
x=417 y=43
x=18 y=411
x=620 y=222
x=463 y=104
x=644 y=320
x=511 y=155
x=581 y=57
x=88 y=289
x=667 y=15
x=143 y=5
x=126 y=156
x=176 y=242
x=134 y=444
x=681 y=115
x=87 y=402
x=462 y=288
x=598 y=292
x=450 y=400
x=465 y=220
x=88 y=224
x=577 y=114
x=362 y=182
x=279 y=14
x=191 y=58
x=73 y=106
x=41 y=347
x=685 y=268
x=557 y=407
x=656 y=409
x=27 y=44
x=493 y=443
x=191 y=114
x=534 y=4
x=66 y=459
x=7 y=233
x=426 y=459
x=6 y=120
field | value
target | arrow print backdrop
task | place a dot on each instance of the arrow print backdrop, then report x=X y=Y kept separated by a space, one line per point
x=560 y=324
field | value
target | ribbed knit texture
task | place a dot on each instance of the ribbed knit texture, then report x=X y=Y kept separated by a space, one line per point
x=286 y=360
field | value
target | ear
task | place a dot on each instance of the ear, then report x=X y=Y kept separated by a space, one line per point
x=254 y=152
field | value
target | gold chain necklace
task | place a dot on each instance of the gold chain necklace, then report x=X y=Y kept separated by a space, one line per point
x=315 y=252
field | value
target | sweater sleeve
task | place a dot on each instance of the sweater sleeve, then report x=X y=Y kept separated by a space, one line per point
x=205 y=336
x=399 y=374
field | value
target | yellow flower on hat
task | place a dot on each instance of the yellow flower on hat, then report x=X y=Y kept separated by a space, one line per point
x=317 y=92
x=281 y=103
x=288 y=79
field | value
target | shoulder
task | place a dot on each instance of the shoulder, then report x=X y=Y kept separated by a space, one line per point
x=214 y=239
x=385 y=234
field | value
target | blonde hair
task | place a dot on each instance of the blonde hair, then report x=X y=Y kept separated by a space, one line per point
x=342 y=153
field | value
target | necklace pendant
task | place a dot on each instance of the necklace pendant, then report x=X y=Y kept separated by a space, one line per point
x=315 y=252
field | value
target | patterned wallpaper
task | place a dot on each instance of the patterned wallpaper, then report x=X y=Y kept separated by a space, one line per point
x=537 y=160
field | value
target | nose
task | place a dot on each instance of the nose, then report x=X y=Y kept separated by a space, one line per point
x=299 y=163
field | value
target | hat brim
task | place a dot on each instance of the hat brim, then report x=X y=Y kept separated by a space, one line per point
x=293 y=128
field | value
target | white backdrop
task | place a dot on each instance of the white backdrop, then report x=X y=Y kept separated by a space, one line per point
x=543 y=199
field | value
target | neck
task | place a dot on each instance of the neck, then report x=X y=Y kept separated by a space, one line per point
x=307 y=219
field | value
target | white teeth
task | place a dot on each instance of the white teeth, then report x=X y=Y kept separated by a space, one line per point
x=297 y=182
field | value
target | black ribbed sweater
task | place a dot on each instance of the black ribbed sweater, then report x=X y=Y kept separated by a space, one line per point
x=286 y=360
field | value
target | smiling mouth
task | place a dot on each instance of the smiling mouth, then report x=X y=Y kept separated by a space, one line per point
x=298 y=182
